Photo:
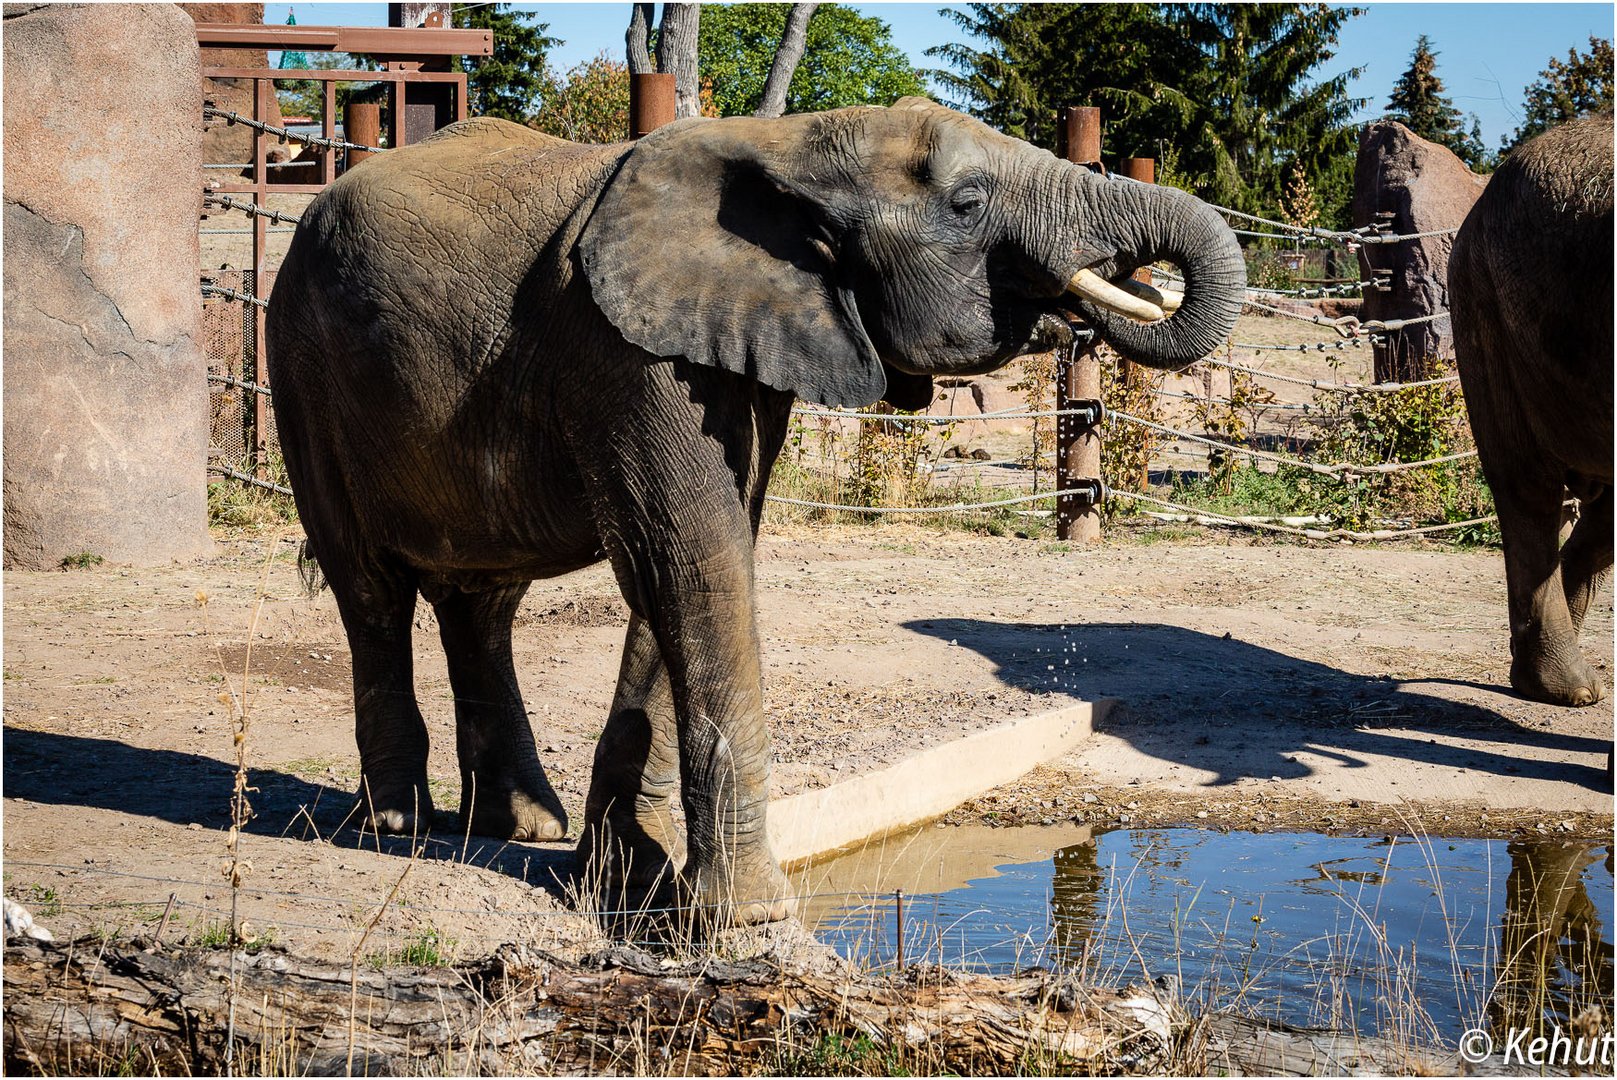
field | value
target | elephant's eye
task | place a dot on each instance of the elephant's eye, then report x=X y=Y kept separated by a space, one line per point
x=967 y=202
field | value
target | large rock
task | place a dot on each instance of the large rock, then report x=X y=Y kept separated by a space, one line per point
x=106 y=398
x=1425 y=188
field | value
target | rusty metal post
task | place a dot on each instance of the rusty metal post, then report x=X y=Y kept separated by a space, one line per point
x=898 y=908
x=651 y=103
x=1078 y=378
x=263 y=100
x=362 y=124
x=328 y=130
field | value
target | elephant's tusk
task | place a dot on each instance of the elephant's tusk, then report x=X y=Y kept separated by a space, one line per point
x=1169 y=302
x=1096 y=289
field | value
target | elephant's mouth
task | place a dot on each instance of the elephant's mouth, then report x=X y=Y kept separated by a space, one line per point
x=1132 y=299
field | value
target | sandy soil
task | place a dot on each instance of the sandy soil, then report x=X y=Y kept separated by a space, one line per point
x=1260 y=685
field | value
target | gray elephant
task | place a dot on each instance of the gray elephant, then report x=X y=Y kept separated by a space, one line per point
x=499 y=356
x=1530 y=281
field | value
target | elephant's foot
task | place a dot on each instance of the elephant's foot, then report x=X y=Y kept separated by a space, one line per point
x=402 y=807
x=498 y=806
x=1556 y=680
x=629 y=859
x=745 y=893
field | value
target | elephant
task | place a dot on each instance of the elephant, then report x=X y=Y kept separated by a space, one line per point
x=499 y=356
x=1530 y=282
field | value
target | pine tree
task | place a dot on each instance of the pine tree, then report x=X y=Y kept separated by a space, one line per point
x=1565 y=91
x=509 y=83
x=1417 y=98
x=1418 y=102
x=1263 y=103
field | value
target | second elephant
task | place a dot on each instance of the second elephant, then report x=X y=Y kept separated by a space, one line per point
x=1531 y=285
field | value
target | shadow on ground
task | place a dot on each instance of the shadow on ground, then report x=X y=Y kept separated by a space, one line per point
x=185 y=789
x=1238 y=710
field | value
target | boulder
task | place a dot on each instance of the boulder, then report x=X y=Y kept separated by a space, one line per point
x=106 y=398
x=1415 y=186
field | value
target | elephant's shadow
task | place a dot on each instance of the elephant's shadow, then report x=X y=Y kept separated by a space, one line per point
x=186 y=789
x=1238 y=710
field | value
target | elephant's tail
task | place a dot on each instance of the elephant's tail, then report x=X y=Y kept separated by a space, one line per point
x=309 y=569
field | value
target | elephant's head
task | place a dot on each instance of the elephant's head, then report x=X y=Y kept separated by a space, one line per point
x=853 y=254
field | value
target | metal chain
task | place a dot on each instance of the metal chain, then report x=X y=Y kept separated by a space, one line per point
x=1365 y=234
x=953 y=508
x=1313 y=346
x=906 y=418
x=1311 y=534
x=1316 y=384
x=211 y=113
x=211 y=289
x=248 y=478
x=1341 y=468
x=251 y=209
x=231 y=380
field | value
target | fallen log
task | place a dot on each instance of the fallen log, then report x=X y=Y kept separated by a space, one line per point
x=87 y=1008
x=82 y=1007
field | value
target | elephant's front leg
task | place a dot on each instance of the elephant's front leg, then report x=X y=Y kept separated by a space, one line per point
x=630 y=843
x=691 y=578
x=504 y=791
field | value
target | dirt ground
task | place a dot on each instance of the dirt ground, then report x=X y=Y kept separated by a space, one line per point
x=1259 y=685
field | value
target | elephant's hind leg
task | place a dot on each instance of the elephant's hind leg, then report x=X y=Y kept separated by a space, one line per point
x=1586 y=560
x=504 y=791
x=1546 y=663
x=630 y=845
x=377 y=608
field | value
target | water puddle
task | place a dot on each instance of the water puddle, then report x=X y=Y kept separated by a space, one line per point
x=1412 y=937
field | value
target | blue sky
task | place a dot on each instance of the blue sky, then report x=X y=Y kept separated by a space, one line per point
x=1487 y=52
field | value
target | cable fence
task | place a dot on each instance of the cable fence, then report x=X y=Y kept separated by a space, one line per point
x=1373 y=460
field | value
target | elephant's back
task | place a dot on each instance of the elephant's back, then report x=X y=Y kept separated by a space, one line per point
x=1531 y=286
x=424 y=250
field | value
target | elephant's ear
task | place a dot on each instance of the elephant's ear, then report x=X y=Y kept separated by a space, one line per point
x=711 y=243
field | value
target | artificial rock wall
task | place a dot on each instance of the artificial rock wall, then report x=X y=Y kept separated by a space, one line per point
x=1426 y=188
x=106 y=425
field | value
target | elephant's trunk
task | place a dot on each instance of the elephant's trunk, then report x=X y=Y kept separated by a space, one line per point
x=1145 y=223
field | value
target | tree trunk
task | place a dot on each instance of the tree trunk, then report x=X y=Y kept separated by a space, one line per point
x=639 y=56
x=676 y=55
x=792 y=42
x=81 y=1007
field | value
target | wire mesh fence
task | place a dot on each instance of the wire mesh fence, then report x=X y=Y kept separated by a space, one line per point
x=230 y=340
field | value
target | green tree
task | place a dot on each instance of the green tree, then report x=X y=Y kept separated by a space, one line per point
x=1229 y=98
x=509 y=83
x=1565 y=91
x=589 y=104
x=849 y=59
x=1040 y=58
x=1263 y=107
x=1418 y=102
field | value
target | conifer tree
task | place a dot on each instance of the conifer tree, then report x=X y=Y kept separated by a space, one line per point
x=1418 y=102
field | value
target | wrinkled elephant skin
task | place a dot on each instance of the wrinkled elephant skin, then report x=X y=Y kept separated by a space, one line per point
x=499 y=356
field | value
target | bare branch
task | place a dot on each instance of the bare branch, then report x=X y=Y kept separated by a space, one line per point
x=792 y=42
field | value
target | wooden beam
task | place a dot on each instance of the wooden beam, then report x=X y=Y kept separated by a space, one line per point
x=367 y=40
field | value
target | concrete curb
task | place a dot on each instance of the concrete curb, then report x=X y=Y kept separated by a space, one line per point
x=925 y=786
